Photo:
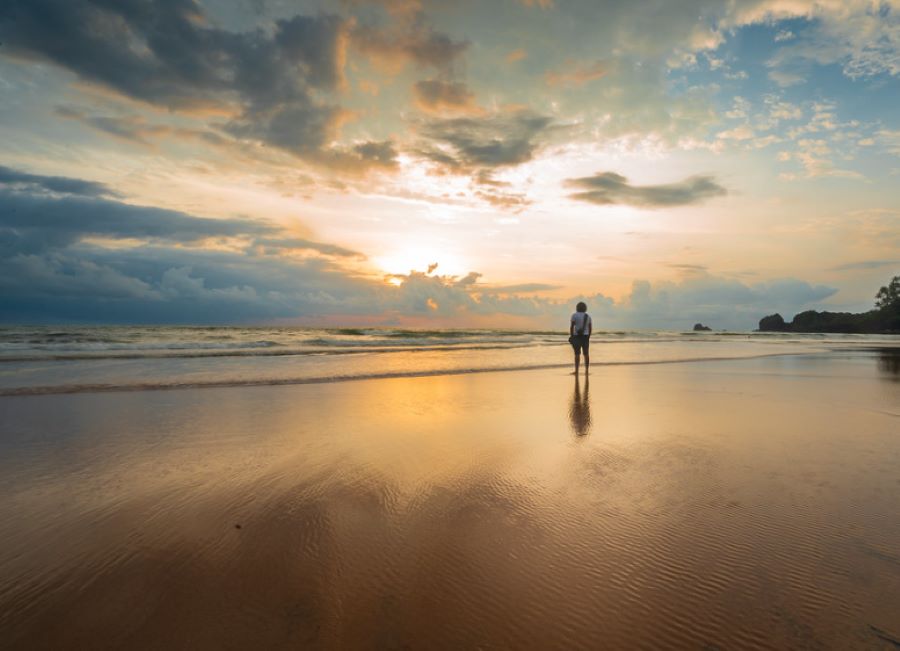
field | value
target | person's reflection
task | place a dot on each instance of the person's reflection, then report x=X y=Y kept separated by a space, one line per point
x=580 y=408
x=889 y=362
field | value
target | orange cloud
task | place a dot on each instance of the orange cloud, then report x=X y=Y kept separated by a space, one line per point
x=436 y=96
x=577 y=74
x=516 y=55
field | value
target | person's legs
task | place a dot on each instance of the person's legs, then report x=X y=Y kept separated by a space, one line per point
x=577 y=360
x=587 y=357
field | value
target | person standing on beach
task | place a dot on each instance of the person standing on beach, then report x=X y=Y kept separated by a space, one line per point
x=580 y=327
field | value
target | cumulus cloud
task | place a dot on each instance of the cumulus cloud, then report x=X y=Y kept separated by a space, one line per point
x=166 y=53
x=608 y=188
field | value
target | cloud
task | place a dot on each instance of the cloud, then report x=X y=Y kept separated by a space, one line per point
x=713 y=300
x=890 y=140
x=136 y=129
x=408 y=41
x=360 y=158
x=688 y=268
x=860 y=36
x=523 y=288
x=783 y=35
x=168 y=54
x=471 y=143
x=577 y=74
x=86 y=258
x=516 y=55
x=58 y=264
x=31 y=223
x=129 y=128
x=865 y=264
x=512 y=201
x=70 y=256
x=11 y=179
x=608 y=188
x=815 y=156
x=436 y=96
x=469 y=279
x=742 y=132
x=296 y=244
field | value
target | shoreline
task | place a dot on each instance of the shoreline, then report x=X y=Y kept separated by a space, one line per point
x=102 y=388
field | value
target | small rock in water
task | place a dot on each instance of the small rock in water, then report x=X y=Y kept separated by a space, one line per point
x=237 y=526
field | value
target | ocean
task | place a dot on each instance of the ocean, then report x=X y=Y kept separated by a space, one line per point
x=54 y=359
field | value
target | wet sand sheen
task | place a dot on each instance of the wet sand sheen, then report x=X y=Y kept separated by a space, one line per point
x=738 y=504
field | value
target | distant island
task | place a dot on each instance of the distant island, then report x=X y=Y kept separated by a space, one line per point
x=884 y=319
x=699 y=327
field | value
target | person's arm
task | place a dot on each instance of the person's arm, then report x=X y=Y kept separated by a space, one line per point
x=572 y=326
x=590 y=326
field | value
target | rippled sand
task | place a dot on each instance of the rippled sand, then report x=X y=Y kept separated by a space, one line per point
x=739 y=504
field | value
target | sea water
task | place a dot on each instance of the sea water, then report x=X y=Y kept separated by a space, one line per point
x=54 y=359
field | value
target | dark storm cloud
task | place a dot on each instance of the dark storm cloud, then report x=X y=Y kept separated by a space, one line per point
x=31 y=223
x=11 y=179
x=156 y=284
x=480 y=142
x=51 y=269
x=608 y=188
x=164 y=52
x=55 y=266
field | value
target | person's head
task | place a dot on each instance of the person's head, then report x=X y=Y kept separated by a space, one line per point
x=581 y=307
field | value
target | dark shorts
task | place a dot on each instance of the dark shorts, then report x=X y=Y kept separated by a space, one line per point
x=581 y=343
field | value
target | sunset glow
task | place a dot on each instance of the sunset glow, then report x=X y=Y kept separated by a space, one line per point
x=703 y=161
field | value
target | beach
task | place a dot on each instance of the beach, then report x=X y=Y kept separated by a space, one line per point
x=748 y=502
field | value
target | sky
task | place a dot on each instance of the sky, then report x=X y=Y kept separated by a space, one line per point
x=446 y=164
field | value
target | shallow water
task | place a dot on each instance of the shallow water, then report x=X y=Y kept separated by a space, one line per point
x=42 y=360
x=721 y=504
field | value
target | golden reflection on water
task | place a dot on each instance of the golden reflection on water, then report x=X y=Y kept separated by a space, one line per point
x=742 y=504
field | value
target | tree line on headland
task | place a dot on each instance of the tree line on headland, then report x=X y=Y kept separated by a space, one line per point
x=883 y=319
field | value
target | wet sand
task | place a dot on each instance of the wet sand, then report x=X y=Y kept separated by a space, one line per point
x=729 y=504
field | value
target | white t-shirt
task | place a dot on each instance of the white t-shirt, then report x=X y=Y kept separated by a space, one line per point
x=582 y=320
